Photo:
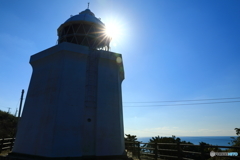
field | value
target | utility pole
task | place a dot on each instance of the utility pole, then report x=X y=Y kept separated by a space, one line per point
x=16 y=112
x=20 y=106
x=8 y=110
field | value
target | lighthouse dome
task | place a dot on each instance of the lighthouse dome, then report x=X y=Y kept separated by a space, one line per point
x=84 y=29
x=87 y=16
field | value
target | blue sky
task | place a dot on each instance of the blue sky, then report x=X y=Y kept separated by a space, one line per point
x=172 y=50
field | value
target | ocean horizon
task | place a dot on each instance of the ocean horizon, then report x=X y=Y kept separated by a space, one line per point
x=213 y=140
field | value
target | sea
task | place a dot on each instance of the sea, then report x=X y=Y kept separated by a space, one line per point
x=213 y=140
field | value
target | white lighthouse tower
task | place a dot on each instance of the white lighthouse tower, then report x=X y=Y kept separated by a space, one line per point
x=73 y=107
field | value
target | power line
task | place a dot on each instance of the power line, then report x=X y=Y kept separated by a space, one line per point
x=187 y=100
x=204 y=137
x=184 y=104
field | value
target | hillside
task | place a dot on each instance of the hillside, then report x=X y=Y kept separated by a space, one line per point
x=8 y=124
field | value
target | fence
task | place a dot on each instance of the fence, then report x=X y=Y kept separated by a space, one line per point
x=6 y=144
x=157 y=151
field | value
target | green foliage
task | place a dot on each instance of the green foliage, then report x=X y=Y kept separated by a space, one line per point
x=237 y=131
x=158 y=139
x=130 y=138
x=8 y=125
x=235 y=142
x=131 y=144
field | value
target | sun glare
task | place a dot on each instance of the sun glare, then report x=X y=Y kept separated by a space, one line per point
x=110 y=31
x=113 y=30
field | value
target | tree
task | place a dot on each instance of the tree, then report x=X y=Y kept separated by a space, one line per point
x=237 y=131
x=131 y=144
x=130 y=138
x=235 y=141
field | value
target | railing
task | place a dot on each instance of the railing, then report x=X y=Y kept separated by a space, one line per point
x=6 y=144
x=157 y=151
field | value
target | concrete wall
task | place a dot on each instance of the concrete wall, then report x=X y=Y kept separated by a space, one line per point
x=109 y=110
x=54 y=119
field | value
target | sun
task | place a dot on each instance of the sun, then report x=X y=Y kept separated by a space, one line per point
x=113 y=29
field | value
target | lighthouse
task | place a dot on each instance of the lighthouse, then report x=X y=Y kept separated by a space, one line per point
x=73 y=107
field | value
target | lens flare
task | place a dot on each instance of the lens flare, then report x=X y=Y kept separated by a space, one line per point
x=119 y=60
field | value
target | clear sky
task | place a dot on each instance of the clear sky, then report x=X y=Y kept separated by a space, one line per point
x=172 y=50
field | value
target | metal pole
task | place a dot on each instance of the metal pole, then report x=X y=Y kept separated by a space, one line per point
x=8 y=110
x=20 y=106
